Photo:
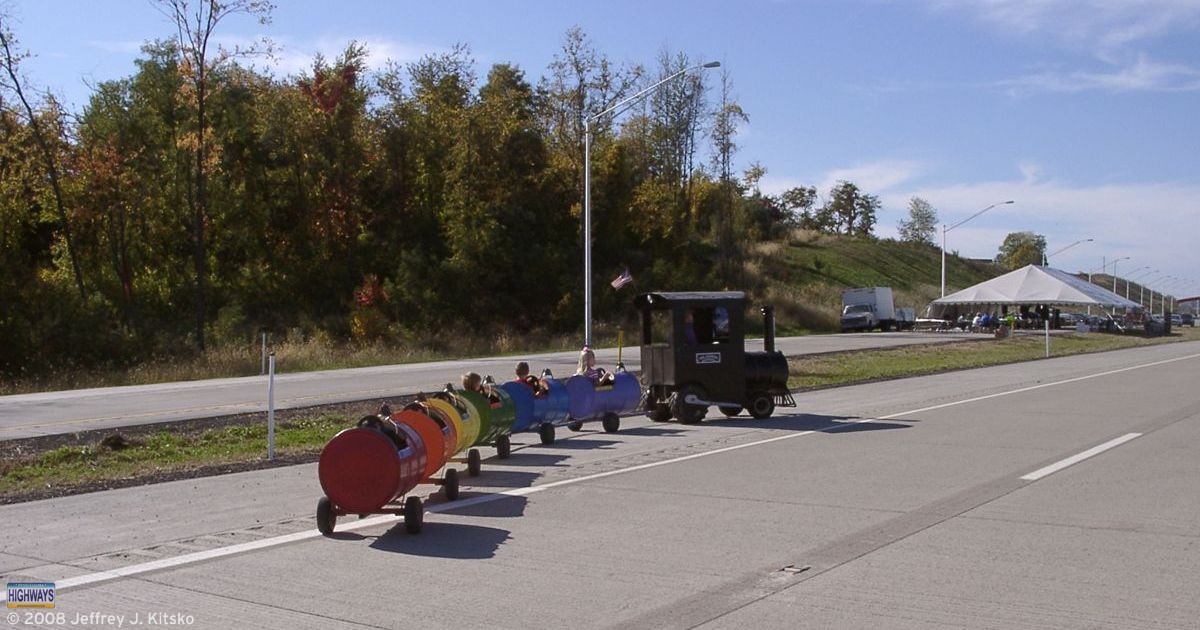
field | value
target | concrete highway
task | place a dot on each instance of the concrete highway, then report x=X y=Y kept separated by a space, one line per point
x=79 y=410
x=1053 y=494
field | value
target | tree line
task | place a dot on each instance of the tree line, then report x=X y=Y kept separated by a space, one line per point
x=200 y=200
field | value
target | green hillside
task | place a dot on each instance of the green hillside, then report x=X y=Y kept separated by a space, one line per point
x=805 y=275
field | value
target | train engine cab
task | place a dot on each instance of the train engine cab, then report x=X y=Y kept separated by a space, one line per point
x=694 y=357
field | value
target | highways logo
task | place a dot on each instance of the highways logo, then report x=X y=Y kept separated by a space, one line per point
x=31 y=594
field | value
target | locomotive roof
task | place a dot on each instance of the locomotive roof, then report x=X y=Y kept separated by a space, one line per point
x=665 y=298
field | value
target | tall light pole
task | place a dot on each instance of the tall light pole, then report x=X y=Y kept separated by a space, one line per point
x=587 y=187
x=1141 y=299
x=947 y=229
x=1115 y=272
x=1046 y=257
x=1138 y=273
x=1173 y=285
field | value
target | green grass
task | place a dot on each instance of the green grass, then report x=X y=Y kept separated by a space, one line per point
x=304 y=356
x=161 y=453
x=856 y=367
x=803 y=276
x=171 y=453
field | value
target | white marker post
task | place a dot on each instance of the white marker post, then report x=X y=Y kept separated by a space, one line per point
x=263 y=369
x=1047 y=338
x=271 y=409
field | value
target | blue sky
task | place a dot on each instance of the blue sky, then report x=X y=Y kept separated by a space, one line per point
x=1081 y=111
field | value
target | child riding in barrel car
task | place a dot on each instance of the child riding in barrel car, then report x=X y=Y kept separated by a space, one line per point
x=587 y=367
x=532 y=382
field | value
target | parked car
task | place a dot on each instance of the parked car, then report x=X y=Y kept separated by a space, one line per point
x=1176 y=319
x=1067 y=320
x=1188 y=319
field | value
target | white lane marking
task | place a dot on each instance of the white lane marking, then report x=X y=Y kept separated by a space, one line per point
x=200 y=556
x=1075 y=459
x=1035 y=387
x=384 y=519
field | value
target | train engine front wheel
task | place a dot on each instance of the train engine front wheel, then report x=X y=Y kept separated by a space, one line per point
x=685 y=412
x=761 y=405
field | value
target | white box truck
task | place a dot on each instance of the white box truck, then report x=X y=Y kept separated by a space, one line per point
x=872 y=307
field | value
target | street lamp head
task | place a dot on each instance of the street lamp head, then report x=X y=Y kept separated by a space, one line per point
x=1008 y=202
x=713 y=64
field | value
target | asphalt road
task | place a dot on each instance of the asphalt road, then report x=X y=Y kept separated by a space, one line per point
x=50 y=413
x=941 y=501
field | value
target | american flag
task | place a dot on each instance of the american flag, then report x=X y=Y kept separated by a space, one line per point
x=622 y=280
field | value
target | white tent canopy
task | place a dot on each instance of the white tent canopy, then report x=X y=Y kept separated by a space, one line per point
x=1037 y=285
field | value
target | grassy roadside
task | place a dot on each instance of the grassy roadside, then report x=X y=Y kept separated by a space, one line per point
x=846 y=368
x=305 y=355
x=153 y=454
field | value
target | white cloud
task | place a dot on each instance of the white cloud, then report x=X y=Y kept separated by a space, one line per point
x=1152 y=223
x=297 y=57
x=1112 y=32
x=1106 y=24
x=872 y=177
x=1141 y=74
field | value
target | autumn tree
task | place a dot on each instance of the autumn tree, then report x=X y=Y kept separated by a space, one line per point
x=41 y=126
x=921 y=224
x=196 y=22
x=849 y=210
x=1020 y=249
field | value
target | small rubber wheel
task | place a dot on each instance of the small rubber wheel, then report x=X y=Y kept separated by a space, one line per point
x=684 y=412
x=450 y=484
x=575 y=425
x=660 y=413
x=326 y=516
x=414 y=515
x=761 y=405
x=731 y=411
x=611 y=422
x=546 y=433
x=474 y=462
x=503 y=447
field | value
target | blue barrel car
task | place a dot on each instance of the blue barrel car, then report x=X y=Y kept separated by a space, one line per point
x=539 y=410
x=603 y=402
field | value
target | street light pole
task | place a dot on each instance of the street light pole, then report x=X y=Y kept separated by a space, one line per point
x=947 y=229
x=1140 y=271
x=587 y=187
x=1142 y=284
x=1046 y=257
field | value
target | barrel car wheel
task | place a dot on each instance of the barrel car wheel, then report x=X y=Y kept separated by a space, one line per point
x=574 y=425
x=503 y=447
x=761 y=405
x=450 y=484
x=474 y=462
x=546 y=433
x=684 y=411
x=326 y=516
x=731 y=411
x=611 y=422
x=414 y=515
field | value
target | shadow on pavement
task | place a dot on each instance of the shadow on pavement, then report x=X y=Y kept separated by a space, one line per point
x=520 y=459
x=496 y=477
x=653 y=431
x=579 y=443
x=808 y=422
x=443 y=540
x=504 y=507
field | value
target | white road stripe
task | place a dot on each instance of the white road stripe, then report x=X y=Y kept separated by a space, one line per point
x=1075 y=459
x=1043 y=385
x=201 y=556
